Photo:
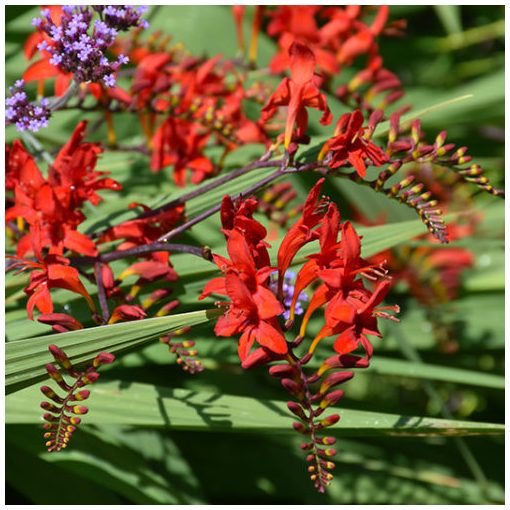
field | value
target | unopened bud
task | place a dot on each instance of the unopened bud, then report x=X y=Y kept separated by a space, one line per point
x=331 y=398
x=330 y=420
x=299 y=427
x=334 y=379
x=103 y=358
x=297 y=410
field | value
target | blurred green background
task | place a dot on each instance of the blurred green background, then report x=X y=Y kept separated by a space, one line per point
x=449 y=51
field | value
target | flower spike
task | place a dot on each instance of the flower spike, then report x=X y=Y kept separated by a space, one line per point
x=63 y=415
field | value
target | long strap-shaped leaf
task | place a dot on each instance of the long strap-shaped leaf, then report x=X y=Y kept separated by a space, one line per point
x=25 y=359
x=157 y=406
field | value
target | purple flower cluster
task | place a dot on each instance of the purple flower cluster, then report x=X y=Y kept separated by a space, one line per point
x=78 y=45
x=288 y=292
x=123 y=17
x=24 y=114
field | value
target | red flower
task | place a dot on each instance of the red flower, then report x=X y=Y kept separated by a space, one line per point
x=253 y=307
x=299 y=92
x=238 y=215
x=302 y=231
x=352 y=317
x=51 y=272
x=54 y=205
x=363 y=41
x=178 y=142
x=349 y=145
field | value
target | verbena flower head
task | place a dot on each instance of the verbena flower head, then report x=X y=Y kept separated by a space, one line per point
x=123 y=17
x=24 y=114
x=78 y=44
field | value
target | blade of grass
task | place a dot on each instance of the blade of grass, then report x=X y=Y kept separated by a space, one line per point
x=25 y=359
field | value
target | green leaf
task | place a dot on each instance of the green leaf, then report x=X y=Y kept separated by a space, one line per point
x=449 y=16
x=25 y=359
x=157 y=406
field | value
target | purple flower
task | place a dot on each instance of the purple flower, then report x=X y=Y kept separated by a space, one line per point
x=79 y=45
x=288 y=293
x=123 y=17
x=24 y=114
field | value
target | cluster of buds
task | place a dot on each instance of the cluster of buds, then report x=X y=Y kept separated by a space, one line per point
x=184 y=352
x=314 y=394
x=24 y=114
x=63 y=415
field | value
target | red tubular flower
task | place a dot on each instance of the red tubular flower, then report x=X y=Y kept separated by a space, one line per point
x=299 y=92
x=253 y=307
x=178 y=142
x=349 y=145
x=238 y=215
x=54 y=205
x=363 y=41
x=51 y=272
x=302 y=231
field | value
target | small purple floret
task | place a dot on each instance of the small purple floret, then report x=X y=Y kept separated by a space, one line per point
x=24 y=114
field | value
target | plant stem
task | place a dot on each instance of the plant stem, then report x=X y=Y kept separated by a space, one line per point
x=58 y=102
x=209 y=212
x=203 y=252
x=101 y=292
x=210 y=186
x=154 y=247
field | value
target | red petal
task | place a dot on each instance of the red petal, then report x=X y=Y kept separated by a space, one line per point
x=245 y=343
x=346 y=342
x=270 y=337
x=40 y=70
x=267 y=304
x=302 y=63
x=78 y=242
x=215 y=286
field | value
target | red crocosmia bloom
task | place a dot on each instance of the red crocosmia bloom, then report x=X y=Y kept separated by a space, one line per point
x=329 y=254
x=349 y=145
x=51 y=272
x=353 y=316
x=124 y=313
x=54 y=205
x=338 y=265
x=178 y=142
x=72 y=175
x=302 y=231
x=299 y=92
x=151 y=77
x=253 y=307
x=363 y=41
x=238 y=215
x=325 y=59
x=146 y=230
x=20 y=167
